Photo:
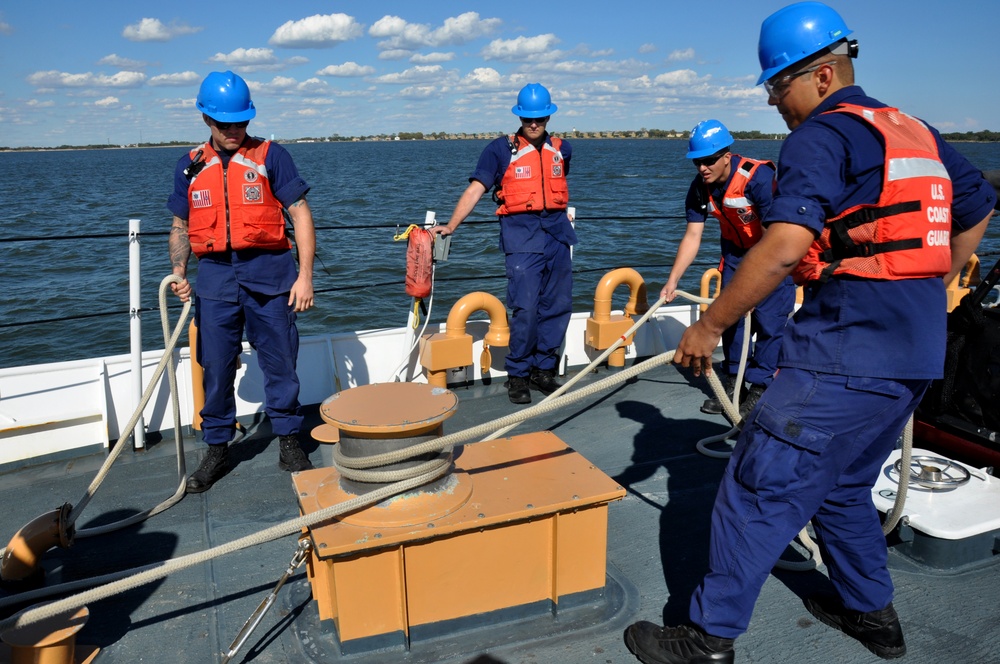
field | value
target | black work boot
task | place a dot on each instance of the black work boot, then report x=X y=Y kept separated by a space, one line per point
x=751 y=399
x=290 y=454
x=879 y=631
x=517 y=389
x=212 y=468
x=686 y=644
x=713 y=406
x=544 y=380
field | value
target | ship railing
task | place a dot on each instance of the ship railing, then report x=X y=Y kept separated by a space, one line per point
x=102 y=422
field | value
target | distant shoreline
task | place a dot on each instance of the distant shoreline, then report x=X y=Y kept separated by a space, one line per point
x=630 y=135
x=99 y=147
x=407 y=136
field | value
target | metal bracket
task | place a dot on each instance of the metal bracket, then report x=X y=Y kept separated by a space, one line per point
x=442 y=247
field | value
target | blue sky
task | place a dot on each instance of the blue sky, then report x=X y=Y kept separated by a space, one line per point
x=74 y=73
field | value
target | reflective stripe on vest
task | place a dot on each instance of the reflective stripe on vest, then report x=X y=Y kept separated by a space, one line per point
x=234 y=207
x=739 y=219
x=907 y=234
x=534 y=181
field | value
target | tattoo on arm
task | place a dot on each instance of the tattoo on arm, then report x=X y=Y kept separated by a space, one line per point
x=179 y=244
x=298 y=203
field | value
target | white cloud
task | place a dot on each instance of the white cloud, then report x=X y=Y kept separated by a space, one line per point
x=519 y=48
x=485 y=78
x=400 y=34
x=177 y=104
x=34 y=103
x=285 y=85
x=464 y=28
x=676 y=78
x=395 y=54
x=182 y=78
x=319 y=31
x=647 y=48
x=107 y=102
x=346 y=70
x=115 y=60
x=387 y=26
x=413 y=74
x=681 y=55
x=245 y=56
x=5 y=28
x=599 y=68
x=431 y=58
x=420 y=92
x=58 y=79
x=255 y=59
x=153 y=30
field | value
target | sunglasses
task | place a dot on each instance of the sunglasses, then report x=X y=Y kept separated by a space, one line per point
x=709 y=160
x=777 y=88
x=538 y=121
x=223 y=126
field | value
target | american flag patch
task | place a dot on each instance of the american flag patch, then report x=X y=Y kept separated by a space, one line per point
x=522 y=172
x=201 y=198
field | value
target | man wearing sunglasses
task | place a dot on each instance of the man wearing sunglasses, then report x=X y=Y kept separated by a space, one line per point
x=737 y=191
x=872 y=210
x=230 y=198
x=527 y=172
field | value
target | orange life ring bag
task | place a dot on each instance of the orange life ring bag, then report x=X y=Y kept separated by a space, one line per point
x=419 y=262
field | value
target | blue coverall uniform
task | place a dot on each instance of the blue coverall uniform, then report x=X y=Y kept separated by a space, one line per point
x=249 y=290
x=767 y=321
x=536 y=247
x=855 y=360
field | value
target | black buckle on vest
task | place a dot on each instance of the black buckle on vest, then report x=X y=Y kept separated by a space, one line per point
x=870 y=214
x=864 y=250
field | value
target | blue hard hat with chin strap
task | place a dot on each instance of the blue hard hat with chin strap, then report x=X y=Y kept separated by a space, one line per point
x=795 y=32
x=534 y=101
x=225 y=97
x=707 y=138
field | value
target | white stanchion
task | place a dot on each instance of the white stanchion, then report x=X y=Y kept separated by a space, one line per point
x=135 y=326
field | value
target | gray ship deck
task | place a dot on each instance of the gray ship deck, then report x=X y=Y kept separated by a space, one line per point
x=643 y=434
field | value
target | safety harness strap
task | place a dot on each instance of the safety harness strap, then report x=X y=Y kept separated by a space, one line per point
x=842 y=245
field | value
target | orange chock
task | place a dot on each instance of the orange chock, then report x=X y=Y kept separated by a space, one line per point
x=23 y=554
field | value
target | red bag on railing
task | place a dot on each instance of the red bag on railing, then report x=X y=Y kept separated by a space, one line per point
x=419 y=262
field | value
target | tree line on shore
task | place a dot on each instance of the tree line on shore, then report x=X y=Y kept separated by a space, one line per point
x=984 y=136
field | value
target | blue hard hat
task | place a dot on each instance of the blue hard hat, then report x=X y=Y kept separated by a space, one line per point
x=225 y=97
x=795 y=32
x=534 y=101
x=707 y=138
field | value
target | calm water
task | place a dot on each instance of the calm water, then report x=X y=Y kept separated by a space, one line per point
x=359 y=272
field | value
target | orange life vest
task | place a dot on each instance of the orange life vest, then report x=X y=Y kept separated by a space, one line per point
x=907 y=234
x=534 y=181
x=234 y=207
x=739 y=218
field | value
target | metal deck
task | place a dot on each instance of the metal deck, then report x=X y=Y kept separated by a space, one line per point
x=642 y=434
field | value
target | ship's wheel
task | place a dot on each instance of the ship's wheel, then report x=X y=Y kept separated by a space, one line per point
x=932 y=472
